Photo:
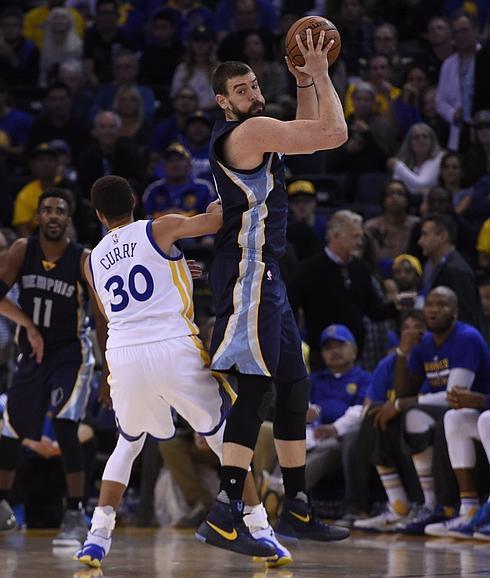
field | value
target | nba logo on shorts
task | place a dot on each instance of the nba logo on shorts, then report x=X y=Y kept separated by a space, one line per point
x=269 y=275
x=114 y=238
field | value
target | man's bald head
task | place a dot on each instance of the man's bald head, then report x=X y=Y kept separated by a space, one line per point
x=447 y=294
x=441 y=310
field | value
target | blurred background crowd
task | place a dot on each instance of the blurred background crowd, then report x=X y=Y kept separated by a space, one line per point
x=96 y=87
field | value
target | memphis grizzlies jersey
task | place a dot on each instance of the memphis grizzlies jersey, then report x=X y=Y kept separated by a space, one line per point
x=52 y=295
x=146 y=294
x=254 y=202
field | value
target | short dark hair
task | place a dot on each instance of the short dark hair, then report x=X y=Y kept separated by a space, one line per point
x=112 y=196
x=226 y=70
x=390 y=182
x=443 y=223
x=57 y=194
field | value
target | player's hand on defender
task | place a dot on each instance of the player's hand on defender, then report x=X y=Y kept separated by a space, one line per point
x=459 y=397
x=316 y=62
x=195 y=269
x=36 y=342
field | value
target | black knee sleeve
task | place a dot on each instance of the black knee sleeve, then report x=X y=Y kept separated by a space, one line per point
x=71 y=450
x=255 y=397
x=290 y=412
x=9 y=453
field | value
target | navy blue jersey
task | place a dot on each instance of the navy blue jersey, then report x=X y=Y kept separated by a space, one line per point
x=464 y=348
x=52 y=295
x=254 y=202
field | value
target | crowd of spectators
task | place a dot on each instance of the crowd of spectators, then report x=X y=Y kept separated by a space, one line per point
x=96 y=87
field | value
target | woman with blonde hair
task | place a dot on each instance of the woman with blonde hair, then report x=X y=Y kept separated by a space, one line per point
x=60 y=43
x=418 y=160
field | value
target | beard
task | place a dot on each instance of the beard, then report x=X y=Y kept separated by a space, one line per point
x=255 y=109
x=54 y=235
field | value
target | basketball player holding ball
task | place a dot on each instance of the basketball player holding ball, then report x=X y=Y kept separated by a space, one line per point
x=255 y=335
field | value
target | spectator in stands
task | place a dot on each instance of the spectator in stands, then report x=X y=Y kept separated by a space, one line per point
x=484 y=289
x=125 y=70
x=391 y=230
x=407 y=107
x=190 y=15
x=172 y=128
x=197 y=69
x=102 y=42
x=455 y=87
x=386 y=43
x=431 y=117
x=43 y=165
x=233 y=15
x=178 y=191
x=407 y=274
x=477 y=157
x=19 y=56
x=440 y=47
x=379 y=74
x=447 y=267
x=357 y=32
x=451 y=177
x=70 y=73
x=128 y=105
x=61 y=42
x=197 y=134
x=57 y=122
x=371 y=137
x=338 y=391
x=335 y=286
x=302 y=202
x=107 y=155
x=162 y=53
x=418 y=160
x=258 y=53
x=35 y=21
x=14 y=127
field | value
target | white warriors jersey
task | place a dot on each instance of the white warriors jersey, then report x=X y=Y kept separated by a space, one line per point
x=146 y=294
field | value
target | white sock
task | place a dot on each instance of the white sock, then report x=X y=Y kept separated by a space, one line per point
x=423 y=466
x=103 y=521
x=394 y=490
x=255 y=517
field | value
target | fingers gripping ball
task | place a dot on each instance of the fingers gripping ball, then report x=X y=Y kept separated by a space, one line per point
x=317 y=24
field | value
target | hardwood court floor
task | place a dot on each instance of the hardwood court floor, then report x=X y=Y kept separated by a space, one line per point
x=170 y=553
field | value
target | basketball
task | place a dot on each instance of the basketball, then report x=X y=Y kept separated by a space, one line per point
x=316 y=24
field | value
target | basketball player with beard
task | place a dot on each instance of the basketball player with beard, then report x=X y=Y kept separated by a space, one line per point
x=255 y=335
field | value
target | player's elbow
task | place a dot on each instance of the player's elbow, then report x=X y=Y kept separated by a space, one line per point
x=334 y=136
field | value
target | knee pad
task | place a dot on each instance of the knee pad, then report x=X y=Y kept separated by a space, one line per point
x=291 y=407
x=71 y=450
x=255 y=396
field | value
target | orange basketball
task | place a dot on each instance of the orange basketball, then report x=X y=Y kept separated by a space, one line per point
x=317 y=24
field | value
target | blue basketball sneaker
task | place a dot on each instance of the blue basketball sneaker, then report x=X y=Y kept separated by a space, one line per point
x=422 y=517
x=479 y=520
x=296 y=522
x=91 y=554
x=224 y=528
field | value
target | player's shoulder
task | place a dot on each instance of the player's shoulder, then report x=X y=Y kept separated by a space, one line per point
x=464 y=331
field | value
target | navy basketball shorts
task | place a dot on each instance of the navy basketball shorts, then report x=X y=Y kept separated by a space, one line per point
x=58 y=387
x=255 y=331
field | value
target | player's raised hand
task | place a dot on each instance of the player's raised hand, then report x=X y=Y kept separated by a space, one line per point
x=36 y=342
x=316 y=62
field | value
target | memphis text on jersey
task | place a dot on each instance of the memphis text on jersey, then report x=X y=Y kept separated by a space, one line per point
x=48 y=284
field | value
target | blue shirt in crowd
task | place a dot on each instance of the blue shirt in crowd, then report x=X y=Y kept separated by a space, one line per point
x=335 y=393
x=464 y=348
x=16 y=124
x=192 y=197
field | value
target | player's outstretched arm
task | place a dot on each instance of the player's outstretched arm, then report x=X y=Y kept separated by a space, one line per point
x=170 y=228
